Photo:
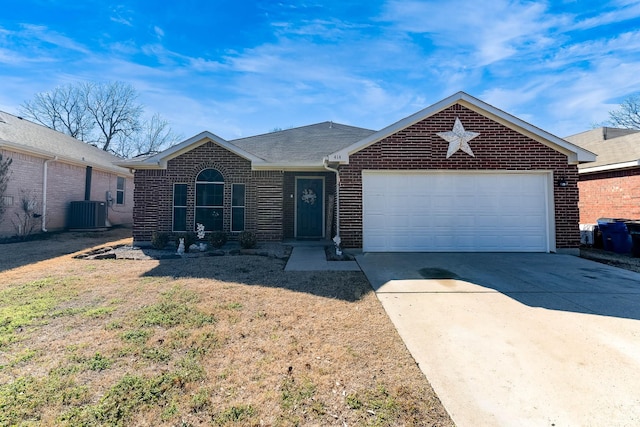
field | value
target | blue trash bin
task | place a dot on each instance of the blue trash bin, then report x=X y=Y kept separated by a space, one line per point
x=634 y=230
x=615 y=236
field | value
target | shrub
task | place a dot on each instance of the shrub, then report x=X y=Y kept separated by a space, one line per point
x=159 y=239
x=217 y=239
x=247 y=240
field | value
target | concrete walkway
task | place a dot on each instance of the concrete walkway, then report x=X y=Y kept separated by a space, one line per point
x=313 y=258
x=518 y=339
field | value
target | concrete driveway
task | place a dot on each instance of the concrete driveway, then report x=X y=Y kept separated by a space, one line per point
x=518 y=339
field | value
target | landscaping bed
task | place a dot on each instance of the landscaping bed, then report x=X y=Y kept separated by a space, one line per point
x=123 y=251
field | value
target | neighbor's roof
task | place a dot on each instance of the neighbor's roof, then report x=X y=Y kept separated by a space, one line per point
x=21 y=135
x=574 y=153
x=616 y=148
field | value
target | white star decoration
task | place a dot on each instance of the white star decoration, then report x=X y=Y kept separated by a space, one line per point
x=458 y=139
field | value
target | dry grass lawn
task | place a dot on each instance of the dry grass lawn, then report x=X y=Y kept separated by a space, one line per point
x=229 y=340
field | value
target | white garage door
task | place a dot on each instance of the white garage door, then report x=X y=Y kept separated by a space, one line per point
x=461 y=212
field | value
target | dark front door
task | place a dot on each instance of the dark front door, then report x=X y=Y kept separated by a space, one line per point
x=309 y=207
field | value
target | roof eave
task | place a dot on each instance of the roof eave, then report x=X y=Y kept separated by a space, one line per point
x=187 y=145
x=574 y=153
x=613 y=166
x=140 y=165
x=51 y=156
x=288 y=167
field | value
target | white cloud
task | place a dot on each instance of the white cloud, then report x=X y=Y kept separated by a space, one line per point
x=481 y=33
x=37 y=34
x=121 y=15
x=546 y=68
x=158 y=31
x=621 y=12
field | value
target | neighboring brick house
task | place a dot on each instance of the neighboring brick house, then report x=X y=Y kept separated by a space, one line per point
x=610 y=186
x=459 y=175
x=52 y=170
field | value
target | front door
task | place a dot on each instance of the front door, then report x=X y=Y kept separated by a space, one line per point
x=309 y=208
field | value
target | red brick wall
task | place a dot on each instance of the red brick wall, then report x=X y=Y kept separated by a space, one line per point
x=612 y=194
x=496 y=148
x=154 y=193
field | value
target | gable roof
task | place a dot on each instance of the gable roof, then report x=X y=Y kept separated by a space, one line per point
x=21 y=135
x=616 y=148
x=307 y=147
x=302 y=146
x=160 y=160
x=291 y=149
x=574 y=153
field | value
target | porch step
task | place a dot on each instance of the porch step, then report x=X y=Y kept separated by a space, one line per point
x=313 y=258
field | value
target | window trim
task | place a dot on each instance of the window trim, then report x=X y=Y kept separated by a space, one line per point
x=174 y=206
x=243 y=206
x=195 y=198
x=121 y=190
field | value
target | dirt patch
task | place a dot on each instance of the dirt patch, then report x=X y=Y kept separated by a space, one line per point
x=56 y=244
x=228 y=340
x=625 y=261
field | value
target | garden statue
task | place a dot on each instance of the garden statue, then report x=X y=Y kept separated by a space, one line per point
x=201 y=235
x=181 y=246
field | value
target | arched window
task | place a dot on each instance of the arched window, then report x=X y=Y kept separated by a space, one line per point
x=210 y=199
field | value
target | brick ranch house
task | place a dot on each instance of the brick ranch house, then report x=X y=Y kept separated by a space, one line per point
x=610 y=186
x=52 y=170
x=460 y=175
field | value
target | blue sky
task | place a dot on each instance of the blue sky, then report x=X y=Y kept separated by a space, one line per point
x=240 y=68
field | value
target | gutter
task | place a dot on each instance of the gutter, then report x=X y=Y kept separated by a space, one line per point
x=336 y=239
x=603 y=168
x=45 y=169
x=112 y=168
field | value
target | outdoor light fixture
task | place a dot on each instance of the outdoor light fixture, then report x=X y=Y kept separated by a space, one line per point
x=562 y=182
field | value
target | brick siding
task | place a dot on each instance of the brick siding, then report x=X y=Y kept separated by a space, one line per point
x=611 y=194
x=153 y=209
x=496 y=148
x=65 y=184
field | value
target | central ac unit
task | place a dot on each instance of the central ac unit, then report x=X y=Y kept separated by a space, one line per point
x=87 y=214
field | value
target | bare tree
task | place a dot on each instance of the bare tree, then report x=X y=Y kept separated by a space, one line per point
x=154 y=135
x=114 y=109
x=105 y=114
x=628 y=115
x=4 y=181
x=62 y=109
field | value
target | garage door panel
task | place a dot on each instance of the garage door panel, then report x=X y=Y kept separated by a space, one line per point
x=486 y=221
x=419 y=222
x=487 y=204
x=442 y=203
x=455 y=212
x=466 y=202
x=512 y=221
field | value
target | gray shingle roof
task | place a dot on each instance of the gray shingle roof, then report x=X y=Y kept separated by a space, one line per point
x=306 y=144
x=612 y=146
x=306 y=147
x=23 y=135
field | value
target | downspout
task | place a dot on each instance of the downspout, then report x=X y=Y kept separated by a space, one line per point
x=336 y=239
x=44 y=192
